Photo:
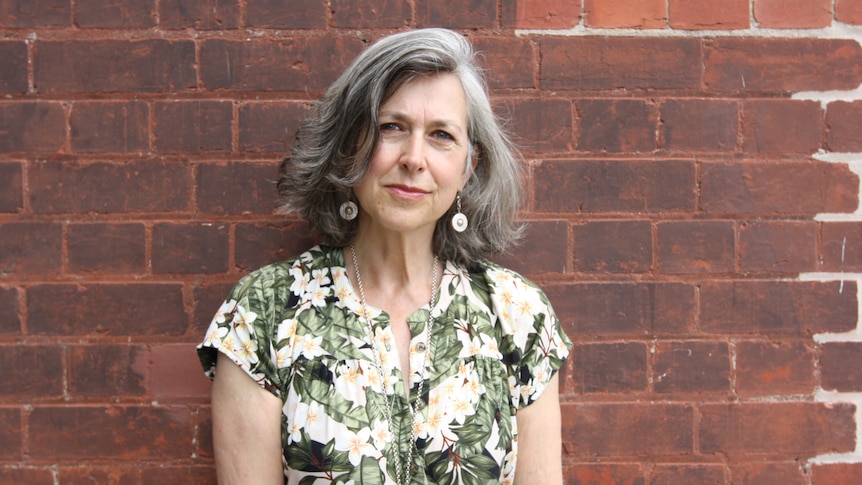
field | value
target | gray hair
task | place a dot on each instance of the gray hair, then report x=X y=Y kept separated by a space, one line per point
x=333 y=147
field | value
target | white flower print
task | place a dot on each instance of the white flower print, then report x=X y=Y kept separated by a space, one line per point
x=356 y=444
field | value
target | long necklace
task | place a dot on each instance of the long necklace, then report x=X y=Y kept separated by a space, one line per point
x=400 y=468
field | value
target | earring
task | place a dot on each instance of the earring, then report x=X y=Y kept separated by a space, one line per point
x=348 y=210
x=459 y=220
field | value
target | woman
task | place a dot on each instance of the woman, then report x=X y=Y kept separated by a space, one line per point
x=395 y=353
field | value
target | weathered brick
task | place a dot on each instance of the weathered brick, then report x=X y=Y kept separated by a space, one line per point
x=110 y=127
x=839 y=364
x=103 y=187
x=793 y=14
x=508 y=62
x=113 y=475
x=699 y=125
x=833 y=473
x=784 y=367
x=26 y=476
x=457 y=14
x=787 y=308
x=106 y=309
x=176 y=373
x=208 y=299
x=35 y=13
x=781 y=127
x=210 y=15
x=108 y=370
x=82 y=432
x=544 y=249
x=778 y=247
x=592 y=186
x=293 y=64
x=842 y=250
x=286 y=14
x=603 y=474
x=237 y=187
x=269 y=126
x=763 y=188
x=10 y=321
x=600 y=430
x=802 y=428
x=193 y=126
x=11 y=187
x=204 y=430
x=708 y=15
x=11 y=445
x=542 y=125
x=848 y=12
x=616 y=125
x=188 y=475
x=127 y=14
x=692 y=247
x=44 y=371
x=31 y=248
x=624 y=308
x=613 y=246
x=843 y=119
x=363 y=14
x=781 y=65
x=758 y=473
x=13 y=77
x=676 y=474
x=172 y=243
x=611 y=63
x=110 y=248
x=547 y=14
x=691 y=367
x=625 y=14
x=103 y=66
x=32 y=126
x=610 y=367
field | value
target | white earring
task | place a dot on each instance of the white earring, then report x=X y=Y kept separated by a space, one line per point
x=348 y=210
x=459 y=220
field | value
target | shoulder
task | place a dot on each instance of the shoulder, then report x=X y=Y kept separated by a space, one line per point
x=500 y=279
x=283 y=275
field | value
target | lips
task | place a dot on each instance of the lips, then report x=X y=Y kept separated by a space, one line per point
x=406 y=191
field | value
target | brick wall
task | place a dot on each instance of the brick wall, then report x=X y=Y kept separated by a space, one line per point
x=694 y=205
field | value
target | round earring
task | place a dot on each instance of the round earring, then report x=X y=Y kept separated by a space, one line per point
x=348 y=210
x=459 y=220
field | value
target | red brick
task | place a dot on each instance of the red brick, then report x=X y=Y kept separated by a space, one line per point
x=31 y=248
x=32 y=126
x=208 y=299
x=11 y=445
x=692 y=367
x=591 y=186
x=35 y=13
x=849 y=12
x=10 y=321
x=841 y=248
x=11 y=187
x=619 y=309
x=103 y=66
x=128 y=14
x=784 y=367
x=269 y=126
x=284 y=14
x=839 y=366
x=102 y=187
x=110 y=248
x=44 y=371
x=193 y=126
x=610 y=367
x=509 y=62
x=788 y=473
x=106 y=309
x=601 y=430
x=304 y=64
x=787 y=308
x=613 y=246
x=781 y=65
x=13 y=78
x=543 y=250
x=834 y=473
x=676 y=474
x=237 y=187
x=611 y=63
x=793 y=14
x=606 y=125
x=204 y=433
x=766 y=188
x=363 y=14
x=699 y=125
x=542 y=125
x=603 y=474
x=801 y=428
x=171 y=244
x=141 y=433
x=778 y=247
x=547 y=14
x=187 y=475
x=695 y=247
x=843 y=119
x=457 y=14
x=211 y=15
x=100 y=127
x=108 y=370
x=177 y=373
x=26 y=476
x=708 y=15
x=625 y=14
x=109 y=475
x=781 y=127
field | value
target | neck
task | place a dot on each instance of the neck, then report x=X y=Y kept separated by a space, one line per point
x=394 y=260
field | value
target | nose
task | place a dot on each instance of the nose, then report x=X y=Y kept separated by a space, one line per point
x=413 y=153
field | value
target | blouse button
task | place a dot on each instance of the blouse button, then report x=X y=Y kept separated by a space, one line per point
x=420 y=347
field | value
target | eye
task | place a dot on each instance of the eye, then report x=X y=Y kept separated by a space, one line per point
x=389 y=127
x=442 y=135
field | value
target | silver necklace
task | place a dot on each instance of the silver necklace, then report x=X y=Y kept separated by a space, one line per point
x=417 y=404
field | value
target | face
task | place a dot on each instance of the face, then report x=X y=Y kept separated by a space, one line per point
x=420 y=161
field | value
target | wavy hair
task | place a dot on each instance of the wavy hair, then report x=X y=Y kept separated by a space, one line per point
x=335 y=142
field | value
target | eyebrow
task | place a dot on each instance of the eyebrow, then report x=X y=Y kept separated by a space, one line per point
x=440 y=122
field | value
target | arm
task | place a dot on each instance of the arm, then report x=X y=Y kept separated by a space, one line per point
x=246 y=428
x=539 y=441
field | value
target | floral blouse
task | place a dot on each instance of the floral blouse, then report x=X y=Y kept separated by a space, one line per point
x=295 y=327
